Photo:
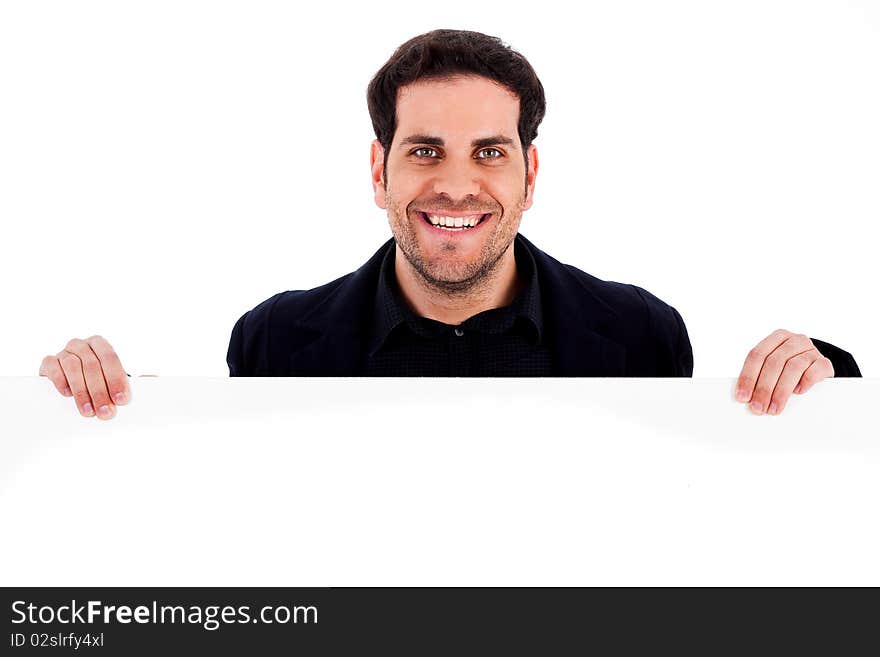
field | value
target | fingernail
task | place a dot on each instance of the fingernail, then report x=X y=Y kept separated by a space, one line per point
x=797 y=388
x=772 y=410
x=87 y=409
x=119 y=397
x=66 y=392
x=742 y=395
x=104 y=411
x=756 y=407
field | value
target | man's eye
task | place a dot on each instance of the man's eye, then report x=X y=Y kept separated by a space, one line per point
x=490 y=149
x=422 y=149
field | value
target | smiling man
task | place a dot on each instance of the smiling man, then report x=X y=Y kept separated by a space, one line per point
x=458 y=291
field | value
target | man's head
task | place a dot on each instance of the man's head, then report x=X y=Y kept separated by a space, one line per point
x=455 y=113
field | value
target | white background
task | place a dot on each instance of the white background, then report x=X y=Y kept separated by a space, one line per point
x=165 y=166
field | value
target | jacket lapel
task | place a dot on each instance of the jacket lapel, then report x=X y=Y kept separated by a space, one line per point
x=331 y=339
x=579 y=325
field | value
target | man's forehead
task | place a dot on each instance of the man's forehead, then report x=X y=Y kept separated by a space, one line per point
x=471 y=111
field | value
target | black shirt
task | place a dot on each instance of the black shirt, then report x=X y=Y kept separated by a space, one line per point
x=497 y=342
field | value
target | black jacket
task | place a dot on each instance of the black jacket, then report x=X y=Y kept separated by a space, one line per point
x=593 y=327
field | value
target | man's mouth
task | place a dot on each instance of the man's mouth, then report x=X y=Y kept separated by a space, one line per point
x=453 y=224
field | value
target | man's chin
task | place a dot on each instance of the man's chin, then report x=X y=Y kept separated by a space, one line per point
x=450 y=278
x=448 y=270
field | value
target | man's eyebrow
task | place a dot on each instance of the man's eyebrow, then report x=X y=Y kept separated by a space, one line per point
x=476 y=143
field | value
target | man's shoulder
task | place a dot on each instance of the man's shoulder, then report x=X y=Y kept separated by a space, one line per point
x=296 y=303
x=650 y=331
x=627 y=301
x=275 y=318
x=294 y=317
x=630 y=301
x=341 y=296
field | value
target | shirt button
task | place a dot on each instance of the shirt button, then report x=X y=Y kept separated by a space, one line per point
x=459 y=332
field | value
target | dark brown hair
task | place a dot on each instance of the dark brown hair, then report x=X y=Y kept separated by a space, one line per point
x=443 y=54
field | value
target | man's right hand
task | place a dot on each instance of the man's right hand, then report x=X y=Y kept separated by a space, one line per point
x=91 y=372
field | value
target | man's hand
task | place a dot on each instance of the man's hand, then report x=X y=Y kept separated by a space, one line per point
x=782 y=363
x=91 y=372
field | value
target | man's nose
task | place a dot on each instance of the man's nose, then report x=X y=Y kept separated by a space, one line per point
x=457 y=182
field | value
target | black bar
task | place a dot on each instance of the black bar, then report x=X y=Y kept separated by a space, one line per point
x=454 y=621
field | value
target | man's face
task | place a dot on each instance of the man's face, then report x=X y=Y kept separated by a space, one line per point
x=437 y=165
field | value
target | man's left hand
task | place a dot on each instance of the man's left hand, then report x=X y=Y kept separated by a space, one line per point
x=782 y=363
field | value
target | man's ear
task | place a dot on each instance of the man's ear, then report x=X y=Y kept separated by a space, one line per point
x=531 y=175
x=377 y=158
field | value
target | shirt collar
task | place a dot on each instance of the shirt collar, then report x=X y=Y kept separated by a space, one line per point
x=390 y=310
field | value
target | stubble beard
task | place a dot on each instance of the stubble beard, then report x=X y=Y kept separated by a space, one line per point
x=453 y=279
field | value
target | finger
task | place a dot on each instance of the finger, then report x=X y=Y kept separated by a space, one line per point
x=821 y=369
x=114 y=374
x=72 y=368
x=772 y=370
x=754 y=362
x=791 y=374
x=94 y=376
x=51 y=368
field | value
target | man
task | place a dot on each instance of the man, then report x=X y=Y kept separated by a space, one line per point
x=458 y=291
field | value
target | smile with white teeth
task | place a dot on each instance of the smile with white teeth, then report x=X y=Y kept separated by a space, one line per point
x=454 y=223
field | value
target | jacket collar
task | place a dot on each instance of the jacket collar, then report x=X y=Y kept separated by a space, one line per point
x=389 y=309
x=577 y=324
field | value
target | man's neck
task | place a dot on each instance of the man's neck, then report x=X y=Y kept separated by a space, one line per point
x=496 y=290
